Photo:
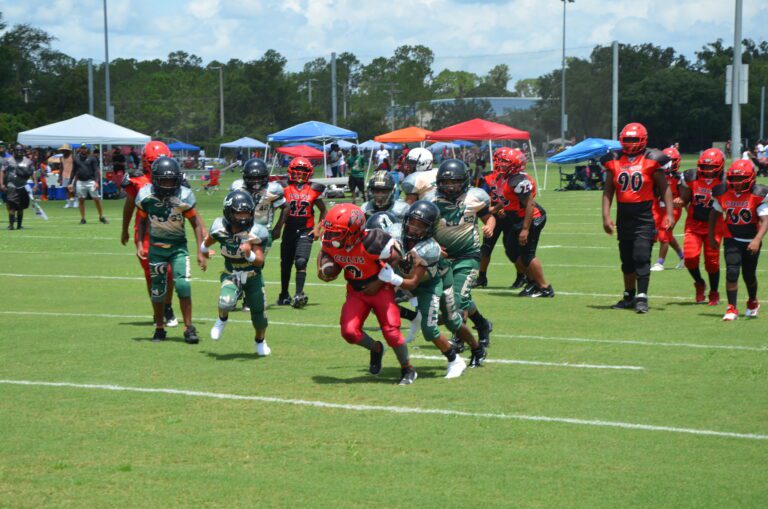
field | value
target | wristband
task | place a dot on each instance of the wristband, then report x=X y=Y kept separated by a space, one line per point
x=251 y=257
x=396 y=280
x=204 y=248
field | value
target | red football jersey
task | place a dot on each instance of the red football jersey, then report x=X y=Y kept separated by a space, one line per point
x=132 y=186
x=362 y=263
x=514 y=192
x=300 y=200
x=741 y=209
x=701 y=198
x=633 y=177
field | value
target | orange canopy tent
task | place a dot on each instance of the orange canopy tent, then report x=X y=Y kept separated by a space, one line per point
x=411 y=134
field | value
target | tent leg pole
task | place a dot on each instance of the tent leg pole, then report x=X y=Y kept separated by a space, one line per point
x=533 y=158
x=490 y=154
x=546 y=170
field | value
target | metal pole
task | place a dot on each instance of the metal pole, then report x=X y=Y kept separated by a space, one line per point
x=762 y=112
x=345 y=101
x=562 y=84
x=392 y=109
x=615 y=92
x=90 y=86
x=221 y=100
x=108 y=111
x=333 y=88
x=736 y=103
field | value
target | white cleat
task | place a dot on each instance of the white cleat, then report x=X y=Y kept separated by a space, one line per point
x=263 y=348
x=752 y=308
x=731 y=314
x=173 y=322
x=415 y=326
x=217 y=329
x=680 y=264
x=657 y=267
x=456 y=368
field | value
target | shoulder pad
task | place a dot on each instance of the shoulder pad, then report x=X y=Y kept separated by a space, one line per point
x=657 y=155
x=217 y=227
x=719 y=189
x=320 y=188
x=689 y=175
x=367 y=209
x=399 y=208
x=760 y=190
x=260 y=232
x=396 y=231
x=275 y=189
x=610 y=156
x=144 y=193
x=375 y=241
x=237 y=185
x=187 y=197
x=477 y=199
x=429 y=251
x=408 y=185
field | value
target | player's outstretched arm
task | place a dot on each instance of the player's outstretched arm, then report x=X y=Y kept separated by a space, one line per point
x=666 y=194
x=608 y=191
x=320 y=204
x=128 y=208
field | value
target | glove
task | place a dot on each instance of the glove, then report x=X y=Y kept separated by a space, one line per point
x=388 y=275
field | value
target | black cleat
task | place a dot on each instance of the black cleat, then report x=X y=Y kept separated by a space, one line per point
x=478 y=357
x=641 y=305
x=284 y=300
x=190 y=336
x=103 y=220
x=484 y=334
x=547 y=292
x=520 y=282
x=528 y=290
x=482 y=281
x=624 y=304
x=10 y=227
x=159 y=335
x=457 y=344
x=375 y=366
x=82 y=221
x=409 y=376
x=299 y=300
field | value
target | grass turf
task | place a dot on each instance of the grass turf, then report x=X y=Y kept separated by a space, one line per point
x=74 y=309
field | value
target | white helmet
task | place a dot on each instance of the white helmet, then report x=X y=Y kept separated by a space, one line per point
x=419 y=159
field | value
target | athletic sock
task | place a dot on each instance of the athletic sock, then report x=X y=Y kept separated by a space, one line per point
x=660 y=261
x=11 y=219
x=19 y=217
x=224 y=319
x=367 y=342
x=482 y=274
x=301 y=276
x=680 y=255
x=408 y=314
x=478 y=319
x=285 y=276
x=714 y=280
x=450 y=354
x=732 y=297
x=696 y=275
x=402 y=355
x=629 y=295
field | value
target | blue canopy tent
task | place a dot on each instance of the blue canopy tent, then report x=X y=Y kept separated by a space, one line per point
x=464 y=143
x=180 y=145
x=308 y=143
x=312 y=130
x=591 y=148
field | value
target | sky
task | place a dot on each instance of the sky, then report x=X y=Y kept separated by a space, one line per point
x=470 y=35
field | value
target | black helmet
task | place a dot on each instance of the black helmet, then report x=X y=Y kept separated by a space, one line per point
x=426 y=213
x=166 y=176
x=239 y=201
x=255 y=175
x=381 y=221
x=381 y=182
x=19 y=152
x=452 y=179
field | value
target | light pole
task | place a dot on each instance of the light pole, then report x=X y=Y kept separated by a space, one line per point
x=109 y=113
x=736 y=83
x=563 y=121
x=221 y=98
x=309 y=81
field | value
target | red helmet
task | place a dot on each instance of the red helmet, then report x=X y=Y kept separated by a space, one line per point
x=741 y=175
x=711 y=164
x=343 y=226
x=151 y=153
x=674 y=157
x=633 y=138
x=300 y=170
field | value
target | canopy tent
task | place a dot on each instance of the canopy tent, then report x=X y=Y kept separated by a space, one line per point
x=411 y=134
x=306 y=143
x=180 y=145
x=302 y=151
x=591 y=148
x=312 y=130
x=244 y=142
x=343 y=144
x=373 y=145
x=464 y=143
x=479 y=129
x=87 y=129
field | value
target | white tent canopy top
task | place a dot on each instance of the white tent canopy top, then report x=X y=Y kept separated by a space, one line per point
x=245 y=142
x=84 y=129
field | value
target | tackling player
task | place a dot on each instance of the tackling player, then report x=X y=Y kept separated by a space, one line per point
x=665 y=237
x=163 y=207
x=745 y=205
x=361 y=254
x=298 y=216
x=420 y=177
x=244 y=244
x=633 y=174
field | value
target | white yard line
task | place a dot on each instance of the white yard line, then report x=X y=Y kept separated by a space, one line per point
x=392 y=409
x=538 y=363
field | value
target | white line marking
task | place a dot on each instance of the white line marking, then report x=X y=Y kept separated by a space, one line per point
x=497 y=335
x=393 y=409
x=539 y=363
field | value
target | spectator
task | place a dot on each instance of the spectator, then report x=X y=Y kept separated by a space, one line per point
x=133 y=159
x=334 y=158
x=356 y=165
x=67 y=164
x=239 y=158
x=86 y=178
x=3 y=154
x=14 y=173
x=396 y=175
x=381 y=155
x=118 y=165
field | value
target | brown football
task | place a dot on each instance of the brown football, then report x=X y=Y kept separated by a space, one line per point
x=327 y=267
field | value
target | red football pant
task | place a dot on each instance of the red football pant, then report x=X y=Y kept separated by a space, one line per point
x=358 y=306
x=659 y=215
x=692 y=245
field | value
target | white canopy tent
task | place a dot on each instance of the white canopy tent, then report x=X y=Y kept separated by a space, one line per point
x=244 y=142
x=83 y=129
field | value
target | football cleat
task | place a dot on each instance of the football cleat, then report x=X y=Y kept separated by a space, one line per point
x=82 y=221
x=456 y=368
x=284 y=299
x=170 y=317
x=190 y=336
x=752 y=306
x=457 y=344
x=731 y=314
x=700 y=289
x=409 y=376
x=520 y=282
x=680 y=264
x=528 y=290
x=262 y=348
x=641 y=305
x=9 y=227
x=483 y=335
x=624 y=303
x=159 y=335
x=103 y=220
x=657 y=267
x=299 y=300
x=374 y=367
x=714 y=299
x=217 y=329
x=482 y=281
x=478 y=357
x=547 y=292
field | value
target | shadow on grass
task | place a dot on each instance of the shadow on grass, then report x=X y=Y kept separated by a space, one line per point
x=166 y=340
x=387 y=376
x=689 y=303
x=148 y=323
x=242 y=356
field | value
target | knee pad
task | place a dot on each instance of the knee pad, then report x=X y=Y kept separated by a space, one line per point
x=228 y=296
x=301 y=264
x=454 y=322
x=183 y=288
x=159 y=281
x=732 y=273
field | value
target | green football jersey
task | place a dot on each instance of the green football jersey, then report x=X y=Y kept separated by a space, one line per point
x=457 y=230
x=230 y=244
x=166 y=215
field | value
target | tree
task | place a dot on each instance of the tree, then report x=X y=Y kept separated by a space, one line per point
x=460 y=110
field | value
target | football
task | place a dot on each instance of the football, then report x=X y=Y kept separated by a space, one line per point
x=327 y=269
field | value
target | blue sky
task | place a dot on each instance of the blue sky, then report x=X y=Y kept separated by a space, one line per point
x=464 y=34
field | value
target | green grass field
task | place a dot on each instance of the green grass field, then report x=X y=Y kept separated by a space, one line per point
x=592 y=408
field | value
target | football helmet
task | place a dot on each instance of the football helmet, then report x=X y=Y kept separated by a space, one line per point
x=255 y=175
x=151 y=152
x=509 y=161
x=674 y=160
x=418 y=159
x=381 y=221
x=343 y=226
x=239 y=209
x=300 y=170
x=381 y=190
x=166 y=177
x=741 y=176
x=419 y=223
x=452 y=179
x=711 y=163
x=633 y=138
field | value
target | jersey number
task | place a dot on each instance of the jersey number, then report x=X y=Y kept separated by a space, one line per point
x=743 y=216
x=300 y=208
x=354 y=271
x=634 y=182
x=703 y=200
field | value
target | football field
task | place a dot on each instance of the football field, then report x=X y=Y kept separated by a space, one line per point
x=578 y=405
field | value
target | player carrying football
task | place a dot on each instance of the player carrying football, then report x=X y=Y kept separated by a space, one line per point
x=633 y=175
x=745 y=205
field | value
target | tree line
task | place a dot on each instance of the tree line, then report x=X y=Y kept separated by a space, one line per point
x=679 y=100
